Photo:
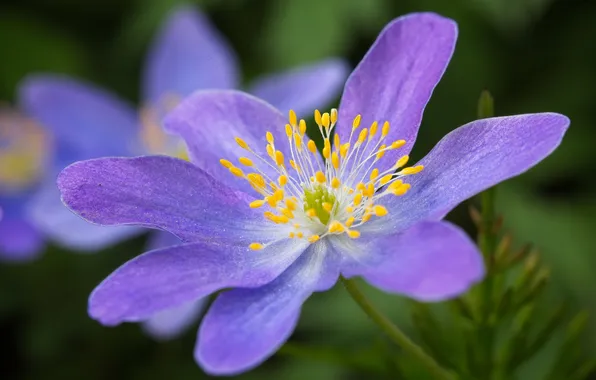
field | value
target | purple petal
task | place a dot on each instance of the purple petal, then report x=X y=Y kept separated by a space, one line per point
x=209 y=121
x=160 y=192
x=188 y=54
x=86 y=121
x=170 y=277
x=61 y=225
x=302 y=89
x=432 y=261
x=395 y=79
x=244 y=327
x=170 y=323
x=162 y=239
x=20 y=241
x=473 y=158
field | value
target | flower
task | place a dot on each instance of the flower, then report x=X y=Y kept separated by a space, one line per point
x=24 y=149
x=188 y=54
x=262 y=214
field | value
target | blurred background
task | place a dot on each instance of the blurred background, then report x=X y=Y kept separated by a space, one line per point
x=533 y=55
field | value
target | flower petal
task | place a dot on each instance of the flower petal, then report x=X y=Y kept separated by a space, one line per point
x=20 y=241
x=302 y=89
x=61 y=225
x=473 y=158
x=162 y=239
x=431 y=261
x=160 y=192
x=170 y=277
x=170 y=323
x=188 y=54
x=209 y=121
x=395 y=79
x=244 y=327
x=84 y=119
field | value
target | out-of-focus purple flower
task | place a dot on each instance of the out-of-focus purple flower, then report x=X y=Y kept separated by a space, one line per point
x=357 y=211
x=187 y=55
x=25 y=149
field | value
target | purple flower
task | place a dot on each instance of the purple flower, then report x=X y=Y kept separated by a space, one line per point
x=278 y=222
x=187 y=55
x=24 y=150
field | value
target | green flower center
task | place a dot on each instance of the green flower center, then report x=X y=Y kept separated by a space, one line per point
x=319 y=202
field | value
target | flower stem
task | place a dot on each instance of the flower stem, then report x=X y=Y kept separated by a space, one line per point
x=394 y=333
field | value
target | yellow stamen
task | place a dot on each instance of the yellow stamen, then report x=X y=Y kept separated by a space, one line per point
x=312 y=146
x=335 y=183
x=357 y=199
x=402 y=189
x=335 y=160
x=374 y=174
x=385 y=179
x=318 y=117
x=336 y=226
x=314 y=238
x=353 y=234
x=256 y=204
x=381 y=152
x=288 y=130
x=246 y=161
x=362 y=136
x=398 y=144
x=292 y=235
x=380 y=210
x=299 y=235
x=311 y=212
x=344 y=150
x=412 y=170
x=320 y=177
x=356 y=122
x=325 y=120
x=327 y=206
x=292 y=117
x=302 y=127
x=401 y=162
x=279 y=158
x=385 y=130
x=350 y=221
x=283 y=180
x=269 y=137
x=333 y=116
x=270 y=151
x=237 y=172
x=242 y=143
x=226 y=164
x=256 y=246
x=373 y=130
x=291 y=205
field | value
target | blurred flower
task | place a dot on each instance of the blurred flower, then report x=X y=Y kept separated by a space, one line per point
x=188 y=54
x=24 y=151
x=358 y=211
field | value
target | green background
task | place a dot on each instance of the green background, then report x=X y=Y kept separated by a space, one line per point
x=533 y=55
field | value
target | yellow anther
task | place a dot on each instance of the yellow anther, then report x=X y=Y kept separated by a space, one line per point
x=362 y=136
x=373 y=129
x=333 y=115
x=296 y=225
x=242 y=143
x=302 y=127
x=350 y=191
x=298 y=141
x=281 y=219
x=294 y=165
x=385 y=179
x=361 y=186
x=273 y=186
x=279 y=158
x=283 y=180
x=314 y=238
x=237 y=172
x=226 y=164
x=335 y=183
x=317 y=117
x=311 y=212
x=312 y=146
x=402 y=189
x=256 y=179
x=269 y=137
x=270 y=151
x=394 y=185
x=278 y=194
x=286 y=212
x=398 y=144
x=256 y=204
x=288 y=130
x=336 y=226
x=326 y=149
x=412 y=170
x=402 y=161
x=344 y=150
x=356 y=121
x=291 y=205
x=327 y=206
x=374 y=174
x=350 y=221
x=299 y=235
x=245 y=161
x=272 y=201
x=367 y=217
x=380 y=210
x=335 y=160
x=325 y=120
x=292 y=117
x=256 y=246
x=350 y=209
x=291 y=235
x=353 y=234
x=381 y=152
x=320 y=177
x=385 y=130
x=357 y=199
x=370 y=190
x=336 y=142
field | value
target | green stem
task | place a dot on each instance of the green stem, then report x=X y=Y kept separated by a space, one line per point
x=394 y=333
